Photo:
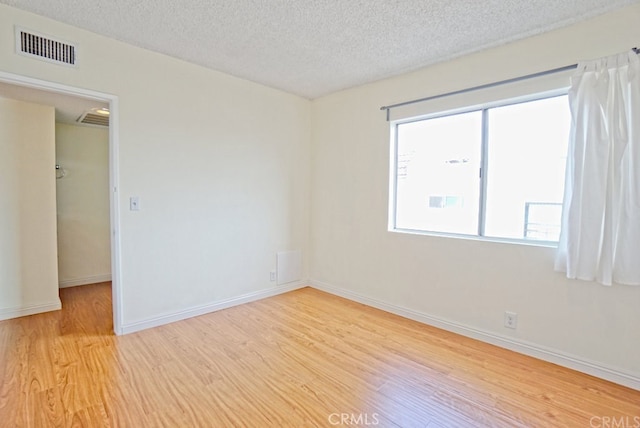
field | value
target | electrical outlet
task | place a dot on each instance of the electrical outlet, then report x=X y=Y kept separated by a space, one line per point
x=510 y=319
x=272 y=275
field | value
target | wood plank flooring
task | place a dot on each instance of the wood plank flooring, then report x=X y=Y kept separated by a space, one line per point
x=301 y=359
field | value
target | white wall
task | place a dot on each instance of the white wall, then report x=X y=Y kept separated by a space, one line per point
x=82 y=198
x=28 y=266
x=220 y=165
x=462 y=284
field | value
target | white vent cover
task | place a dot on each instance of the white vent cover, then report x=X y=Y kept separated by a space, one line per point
x=289 y=266
x=90 y=118
x=45 y=48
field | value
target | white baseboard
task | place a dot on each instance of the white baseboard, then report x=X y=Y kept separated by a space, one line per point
x=23 y=311
x=84 y=281
x=531 y=349
x=211 y=307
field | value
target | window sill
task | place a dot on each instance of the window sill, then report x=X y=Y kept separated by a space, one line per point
x=530 y=243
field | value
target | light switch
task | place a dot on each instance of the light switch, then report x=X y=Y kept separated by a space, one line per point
x=134 y=203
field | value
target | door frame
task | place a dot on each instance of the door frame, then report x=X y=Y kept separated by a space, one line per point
x=114 y=215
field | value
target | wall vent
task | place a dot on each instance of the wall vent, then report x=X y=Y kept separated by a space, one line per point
x=95 y=119
x=45 y=48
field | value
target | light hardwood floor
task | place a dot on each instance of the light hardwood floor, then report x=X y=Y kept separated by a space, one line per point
x=300 y=359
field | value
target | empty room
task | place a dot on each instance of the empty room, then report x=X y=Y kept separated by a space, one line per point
x=316 y=214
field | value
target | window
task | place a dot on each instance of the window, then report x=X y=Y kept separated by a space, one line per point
x=493 y=172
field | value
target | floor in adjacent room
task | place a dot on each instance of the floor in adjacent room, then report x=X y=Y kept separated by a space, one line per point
x=304 y=358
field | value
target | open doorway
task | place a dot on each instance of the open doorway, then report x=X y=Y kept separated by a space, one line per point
x=56 y=95
x=82 y=195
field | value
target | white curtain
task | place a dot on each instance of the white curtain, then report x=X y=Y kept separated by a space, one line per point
x=600 y=238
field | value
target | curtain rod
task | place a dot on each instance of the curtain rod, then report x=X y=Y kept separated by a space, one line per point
x=486 y=86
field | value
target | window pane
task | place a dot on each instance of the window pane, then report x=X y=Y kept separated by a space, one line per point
x=527 y=153
x=438 y=162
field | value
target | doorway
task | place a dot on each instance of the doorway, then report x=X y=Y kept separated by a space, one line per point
x=49 y=92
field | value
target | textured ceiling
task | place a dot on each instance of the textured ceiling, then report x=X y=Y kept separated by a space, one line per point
x=315 y=47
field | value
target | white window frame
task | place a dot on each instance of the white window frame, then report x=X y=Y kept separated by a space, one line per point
x=393 y=168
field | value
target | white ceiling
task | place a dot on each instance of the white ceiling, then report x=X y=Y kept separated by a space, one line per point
x=68 y=108
x=315 y=47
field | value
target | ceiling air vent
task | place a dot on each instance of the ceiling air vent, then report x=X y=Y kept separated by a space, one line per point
x=92 y=118
x=45 y=48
